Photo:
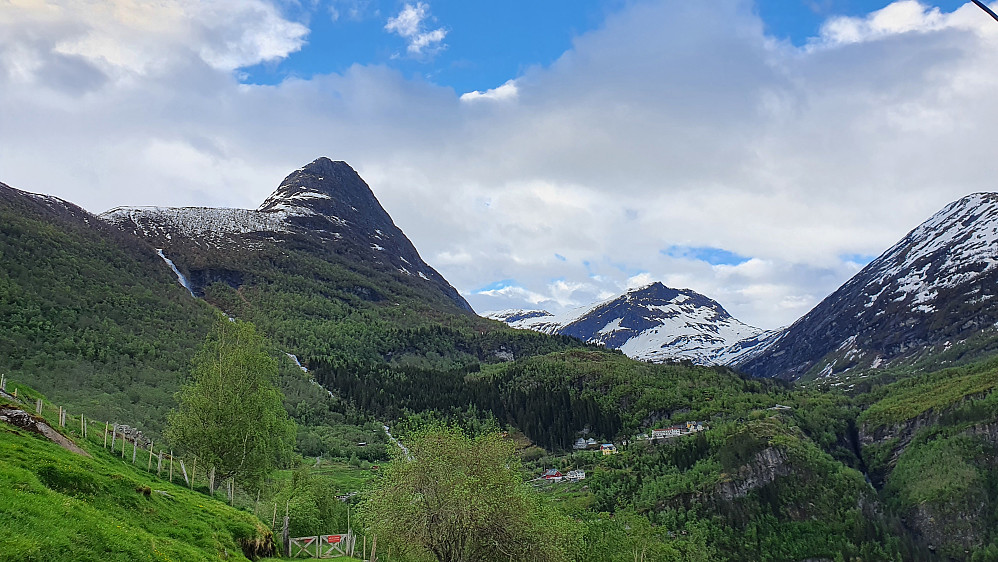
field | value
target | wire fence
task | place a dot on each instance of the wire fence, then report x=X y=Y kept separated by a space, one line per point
x=130 y=446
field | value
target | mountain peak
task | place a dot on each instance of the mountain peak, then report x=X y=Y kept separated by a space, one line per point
x=935 y=287
x=329 y=188
x=654 y=323
x=324 y=164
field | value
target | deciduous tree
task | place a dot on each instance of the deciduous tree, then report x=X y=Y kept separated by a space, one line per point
x=230 y=413
x=463 y=499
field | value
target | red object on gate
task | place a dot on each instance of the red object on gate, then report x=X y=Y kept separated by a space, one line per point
x=333 y=539
x=307 y=541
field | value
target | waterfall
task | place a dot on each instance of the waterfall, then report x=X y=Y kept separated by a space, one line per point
x=180 y=276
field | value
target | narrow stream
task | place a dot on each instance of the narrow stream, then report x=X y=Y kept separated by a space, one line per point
x=397 y=442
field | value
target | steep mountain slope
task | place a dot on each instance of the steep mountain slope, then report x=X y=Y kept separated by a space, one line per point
x=932 y=290
x=104 y=314
x=88 y=314
x=930 y=442
x=323 y=271
x=324 y=207
x=652 y=323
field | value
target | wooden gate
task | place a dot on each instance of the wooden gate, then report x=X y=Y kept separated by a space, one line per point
x=323 y=546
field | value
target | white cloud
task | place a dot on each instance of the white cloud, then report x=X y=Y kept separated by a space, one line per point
x=410 y=24
x=506 y=92
x=674 y=124
x=124 y=37
x=515 y=292
x=899 y=17
x=640 y=280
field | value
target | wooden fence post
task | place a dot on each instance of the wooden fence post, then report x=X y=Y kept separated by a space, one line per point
x=3 y=383
x=105 y=435
x=171 y=466
x=159 y=463
x=38 y=406
x=194 y=467
x=83 y=426
x=183 y=470
x=123 y=441
x=60 y=416
x=231 y=482
x=286 y=537
x=211 y=482
x=114 y=435
x=149 y=465
x=135 y=447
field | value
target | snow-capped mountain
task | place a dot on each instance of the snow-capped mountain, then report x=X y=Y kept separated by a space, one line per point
x=653 y=323
x=324 y=207
x=930 y=291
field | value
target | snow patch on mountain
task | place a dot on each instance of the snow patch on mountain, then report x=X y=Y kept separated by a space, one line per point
x=199 y=223
x=941 y=253
x=929 y=288
x=652 y=323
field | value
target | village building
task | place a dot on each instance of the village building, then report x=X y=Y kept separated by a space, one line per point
x=608 y=449
x=552 y=474
x=575 y=475
x=677 y=430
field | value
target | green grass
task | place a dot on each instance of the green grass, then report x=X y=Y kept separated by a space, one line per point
x=345 y=477
x=55 y=505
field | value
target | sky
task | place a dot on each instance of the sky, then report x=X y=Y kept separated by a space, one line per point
x=538 y=154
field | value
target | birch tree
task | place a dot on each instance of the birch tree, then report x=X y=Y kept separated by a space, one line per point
x=229 y=412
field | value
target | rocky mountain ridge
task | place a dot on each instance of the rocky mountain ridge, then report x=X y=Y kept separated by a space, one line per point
x=325 y=206
x=932 y=290
x=651 y=323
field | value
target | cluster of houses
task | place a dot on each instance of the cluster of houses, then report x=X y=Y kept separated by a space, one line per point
x=674 y=431
x=594 y=445
x=554 y=475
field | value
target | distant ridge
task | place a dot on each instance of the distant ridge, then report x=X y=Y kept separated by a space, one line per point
x=651 y=323
x=930 y=292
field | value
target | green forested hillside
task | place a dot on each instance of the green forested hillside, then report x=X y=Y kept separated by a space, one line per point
x=91 y=317
x=931 y=441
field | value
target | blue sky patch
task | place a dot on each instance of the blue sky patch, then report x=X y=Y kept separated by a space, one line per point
x=861 y=259
x=484 y=44
x=713 y=256
x=799 y=20
x=497 y=285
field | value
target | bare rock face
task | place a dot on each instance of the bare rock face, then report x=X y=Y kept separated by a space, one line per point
x=766 y=466
x=17 y=417
x=957 y=524
x=901 y=434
